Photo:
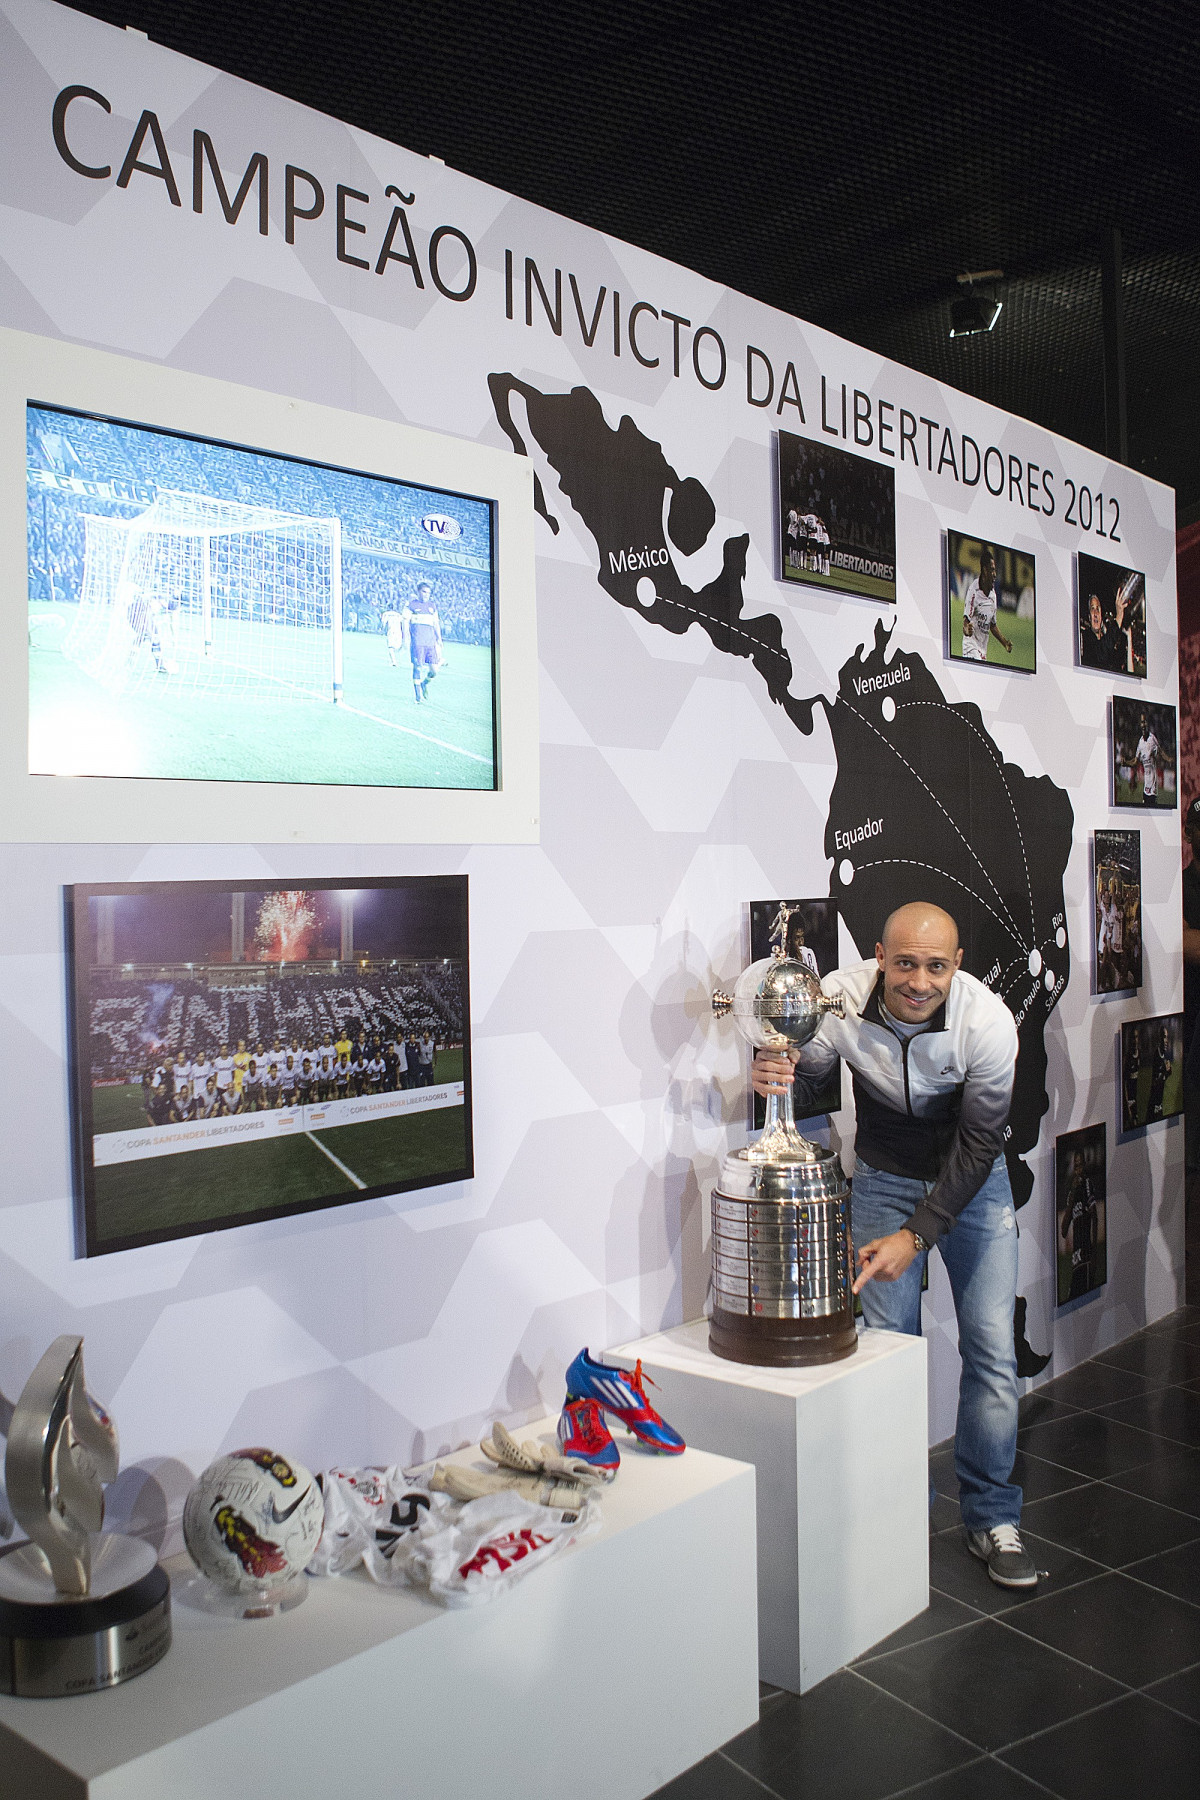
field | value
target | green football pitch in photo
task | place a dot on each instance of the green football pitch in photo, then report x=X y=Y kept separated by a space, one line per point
x=262 y=722
x=183 y=1193
x=1022 y=632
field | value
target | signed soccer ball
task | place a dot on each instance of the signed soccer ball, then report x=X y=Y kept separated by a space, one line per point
x=253 y=1520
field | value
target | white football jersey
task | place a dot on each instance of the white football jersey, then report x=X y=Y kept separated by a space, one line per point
x=979 y=613
x=1147 y=754
x=224 y=1068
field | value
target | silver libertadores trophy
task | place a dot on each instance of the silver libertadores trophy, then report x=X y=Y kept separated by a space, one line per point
x=78 y=1610
x=781 y=1269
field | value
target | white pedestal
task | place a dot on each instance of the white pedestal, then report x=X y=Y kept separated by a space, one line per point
x=605 y=1674
x=843 y=1486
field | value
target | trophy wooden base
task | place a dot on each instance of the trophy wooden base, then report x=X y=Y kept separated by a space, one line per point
x=782 y=1343
x=52 y=1644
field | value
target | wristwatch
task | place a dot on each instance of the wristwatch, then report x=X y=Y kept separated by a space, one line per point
x=916 y=1237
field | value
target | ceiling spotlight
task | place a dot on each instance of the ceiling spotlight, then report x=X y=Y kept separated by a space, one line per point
x=974 y=312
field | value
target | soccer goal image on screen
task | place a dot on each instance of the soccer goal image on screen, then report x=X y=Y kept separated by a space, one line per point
x=991 y=603
x=204 y=611
x=836 y=519
x=241 y=1052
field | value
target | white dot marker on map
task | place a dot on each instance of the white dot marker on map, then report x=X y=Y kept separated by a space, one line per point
x=888 y=709
x=1048 y=978
x=845 y=871
x=1060 y=937
x=646 y=591
x=1035 y=962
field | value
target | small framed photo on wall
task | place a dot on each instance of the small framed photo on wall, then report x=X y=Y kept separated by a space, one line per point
x=1117 y=899
x=991 y=603
x=1111 y=614
x=1151 y=1070
x=1080 y=1172
x=813 y=939
x=1145 y=753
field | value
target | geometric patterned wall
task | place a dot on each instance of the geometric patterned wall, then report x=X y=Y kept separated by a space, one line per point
x=673 y=790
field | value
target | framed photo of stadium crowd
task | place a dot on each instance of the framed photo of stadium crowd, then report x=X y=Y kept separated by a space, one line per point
x=1117 y=896
x=1111 y=614
x=1145 y=753
x=1080 y=1191
x=836 y=519
x=246 y=1050
x=272 y=620
x=1151 y=1070
x=991 y=603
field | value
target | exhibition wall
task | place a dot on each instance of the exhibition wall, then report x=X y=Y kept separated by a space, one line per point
x=711 y=734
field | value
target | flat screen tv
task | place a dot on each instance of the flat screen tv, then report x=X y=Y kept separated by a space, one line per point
x=228 y=615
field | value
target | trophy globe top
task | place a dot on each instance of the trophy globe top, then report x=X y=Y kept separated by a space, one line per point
x=777 y=1003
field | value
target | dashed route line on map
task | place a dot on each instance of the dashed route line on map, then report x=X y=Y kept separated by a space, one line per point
x=781 y=656
x=912 y=862
x=1012 y=923
x=994 y=753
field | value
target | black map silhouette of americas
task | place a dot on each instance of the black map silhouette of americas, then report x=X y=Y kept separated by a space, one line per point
x=923 y=806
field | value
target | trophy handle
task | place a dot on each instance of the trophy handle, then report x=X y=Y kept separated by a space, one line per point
x=722 y=1004
x=62 y=1447
x=833 y=1003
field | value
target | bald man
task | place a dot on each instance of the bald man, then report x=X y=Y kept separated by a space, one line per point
x=932 y=1052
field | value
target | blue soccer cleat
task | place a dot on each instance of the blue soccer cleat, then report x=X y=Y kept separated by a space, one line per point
x=583 y=1437
x=623 y=1395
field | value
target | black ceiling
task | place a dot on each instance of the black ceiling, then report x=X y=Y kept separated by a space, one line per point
x=841 y=161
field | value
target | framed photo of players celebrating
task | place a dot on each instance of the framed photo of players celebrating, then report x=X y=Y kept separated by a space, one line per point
x=1151 y=1070
x=1117 y=895
x=812 y=938
x=1080 y=1176
x=1111 y=613
x=991 y=603
x=245 y=1050
x=1145 y=753
x=837 y=519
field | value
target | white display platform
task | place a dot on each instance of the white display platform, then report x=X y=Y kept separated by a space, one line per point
x=843 y=1486
x=608 y=1672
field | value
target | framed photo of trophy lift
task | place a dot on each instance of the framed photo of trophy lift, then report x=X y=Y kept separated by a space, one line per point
x=812 y=939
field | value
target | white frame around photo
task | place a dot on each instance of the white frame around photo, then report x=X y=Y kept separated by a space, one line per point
x=121 y=809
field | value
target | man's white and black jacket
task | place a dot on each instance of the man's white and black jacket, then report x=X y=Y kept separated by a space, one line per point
x=933 y=1105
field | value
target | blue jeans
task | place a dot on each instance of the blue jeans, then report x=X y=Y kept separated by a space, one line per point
x=980 y=1254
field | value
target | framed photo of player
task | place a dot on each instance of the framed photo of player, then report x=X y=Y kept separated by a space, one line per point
x=265 y=619
x=837 y=519
x=246 y=1050
x=813 y=939
x=1145 y=753
x=1110 y=604
x=1080 y=1188
x=1117 y=901
x=991 y=603
x=1151 y=1070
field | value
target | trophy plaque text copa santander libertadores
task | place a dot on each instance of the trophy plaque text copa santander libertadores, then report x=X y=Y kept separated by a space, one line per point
x=79 y=1610
x=781 y=1268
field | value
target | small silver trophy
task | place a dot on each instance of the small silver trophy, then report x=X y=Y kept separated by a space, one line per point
x=781 y=1274
x=79 y=1610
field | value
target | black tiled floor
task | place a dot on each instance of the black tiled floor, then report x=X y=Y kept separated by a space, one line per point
x=1088 y=1686
x=846 y=1740
x=1132 y=1748
x=1089 y=1443
x=1171 y=1412
x=1180 y=1691
x=1103 y=1522
x=1129 y=1631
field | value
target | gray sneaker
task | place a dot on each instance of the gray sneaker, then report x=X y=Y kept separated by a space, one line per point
x=1008 y=1562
